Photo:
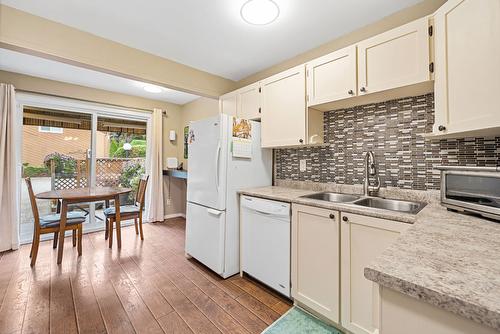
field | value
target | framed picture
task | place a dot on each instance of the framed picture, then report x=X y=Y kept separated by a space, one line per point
x=186 y=138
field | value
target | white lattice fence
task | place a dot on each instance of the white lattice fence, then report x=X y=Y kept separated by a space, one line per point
x=109 y=170
x=108 y=173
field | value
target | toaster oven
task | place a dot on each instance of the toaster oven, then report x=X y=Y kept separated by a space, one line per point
x=471 y=189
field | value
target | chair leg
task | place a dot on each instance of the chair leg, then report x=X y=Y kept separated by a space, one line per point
x=110 y=232
x=36 y=243
x=74 y=237
x=136 y=228
x=54 y=241
x=106 y=232
x=33 y=242
x=140 y=228
x=80 y=236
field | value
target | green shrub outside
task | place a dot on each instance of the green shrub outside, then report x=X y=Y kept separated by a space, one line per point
x=35 y=171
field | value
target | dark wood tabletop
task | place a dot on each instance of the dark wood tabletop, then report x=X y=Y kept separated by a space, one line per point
x=82 y=194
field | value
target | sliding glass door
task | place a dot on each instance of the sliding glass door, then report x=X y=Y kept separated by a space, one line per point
x=120 y=156
x=76 y=145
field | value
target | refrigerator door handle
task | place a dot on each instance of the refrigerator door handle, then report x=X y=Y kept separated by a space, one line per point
x=217 y=159
x=214 y=212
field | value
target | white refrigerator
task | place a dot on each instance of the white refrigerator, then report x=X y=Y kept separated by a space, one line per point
x=214 y=177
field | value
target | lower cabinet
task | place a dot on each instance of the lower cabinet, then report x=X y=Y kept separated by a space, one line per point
x=363 y=239
x=316 y=260
x=403 y=314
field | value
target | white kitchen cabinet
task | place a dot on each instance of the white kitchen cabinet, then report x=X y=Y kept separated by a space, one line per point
x=228 y=103
x=332 y=77
x=315 y=260
x=467 y=68
x=242 y=103
x=284 y=108
x=400 y=313
x=249 y=102
x=363 y=239
x=393 y=59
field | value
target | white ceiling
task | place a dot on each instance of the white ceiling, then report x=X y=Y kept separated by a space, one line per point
x=210 y=34
x=39 y=67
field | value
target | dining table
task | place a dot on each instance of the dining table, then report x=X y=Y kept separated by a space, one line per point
x=83 y=195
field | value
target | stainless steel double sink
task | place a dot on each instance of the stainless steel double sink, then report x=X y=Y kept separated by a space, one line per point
x=370 y=202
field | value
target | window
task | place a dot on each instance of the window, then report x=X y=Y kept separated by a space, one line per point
x=50 y=129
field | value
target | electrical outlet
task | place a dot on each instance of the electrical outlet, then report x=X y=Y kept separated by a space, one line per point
x=169 y=201
x=302 y=165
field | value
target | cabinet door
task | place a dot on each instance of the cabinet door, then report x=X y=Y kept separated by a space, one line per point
x=249 y=106
x=315 y=259
x=332 y=77
x=396 y=58
x=467 y=74
x=284 y=108
x=228 y=103
x=363 y=239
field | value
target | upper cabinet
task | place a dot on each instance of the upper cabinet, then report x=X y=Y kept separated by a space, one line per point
x=467 y=62
x=283 y=103
x=228 y=103
x=332 y=77
x=242 y=103
x=249 y=104
x=396 y=58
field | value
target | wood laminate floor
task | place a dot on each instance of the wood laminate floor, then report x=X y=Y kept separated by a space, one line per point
x=146 y=287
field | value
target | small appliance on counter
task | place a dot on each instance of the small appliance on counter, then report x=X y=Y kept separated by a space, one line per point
x=471 y=189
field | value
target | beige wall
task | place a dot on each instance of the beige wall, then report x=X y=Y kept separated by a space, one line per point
x=198 y=109
x=422 y=9
x=35 y=35
x=57 y=88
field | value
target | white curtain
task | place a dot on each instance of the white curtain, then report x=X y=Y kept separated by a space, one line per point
x=155 y=183
x=9 y=175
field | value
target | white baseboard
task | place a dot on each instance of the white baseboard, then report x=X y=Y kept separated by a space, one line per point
x=175 y=215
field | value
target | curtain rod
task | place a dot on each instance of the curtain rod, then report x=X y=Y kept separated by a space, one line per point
x=84 y=100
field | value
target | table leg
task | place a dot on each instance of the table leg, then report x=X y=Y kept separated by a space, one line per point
x=118 y=222
x=62 y=228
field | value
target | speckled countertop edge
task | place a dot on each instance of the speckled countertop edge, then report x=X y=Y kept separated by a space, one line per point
x=384 y=270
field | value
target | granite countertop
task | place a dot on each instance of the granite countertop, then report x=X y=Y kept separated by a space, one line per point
x=447 y=259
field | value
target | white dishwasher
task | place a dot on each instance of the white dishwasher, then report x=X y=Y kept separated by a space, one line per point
x=265 y=242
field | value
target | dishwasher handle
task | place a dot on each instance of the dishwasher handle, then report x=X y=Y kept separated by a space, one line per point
x=266 y=207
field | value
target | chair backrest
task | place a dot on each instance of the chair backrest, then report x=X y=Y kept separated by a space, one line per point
x=34 y=207
x=141 y=191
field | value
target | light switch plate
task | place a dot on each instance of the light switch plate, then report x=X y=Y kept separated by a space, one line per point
x=302 y=165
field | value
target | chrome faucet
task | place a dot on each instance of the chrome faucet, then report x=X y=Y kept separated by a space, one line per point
x=370 y=170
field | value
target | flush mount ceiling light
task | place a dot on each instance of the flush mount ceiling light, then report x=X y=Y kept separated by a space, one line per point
x=152 y=88
x=259 y=12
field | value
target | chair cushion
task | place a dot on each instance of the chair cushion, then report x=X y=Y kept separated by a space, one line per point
x=54 y=220
x=124 y=209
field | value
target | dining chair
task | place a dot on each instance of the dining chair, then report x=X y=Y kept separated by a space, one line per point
x=51 y=224
x=133 y=211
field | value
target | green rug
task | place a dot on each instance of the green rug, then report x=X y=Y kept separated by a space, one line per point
x=296 y=321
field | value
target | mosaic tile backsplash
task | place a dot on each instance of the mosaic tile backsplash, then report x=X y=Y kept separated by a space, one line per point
x=392 y=130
